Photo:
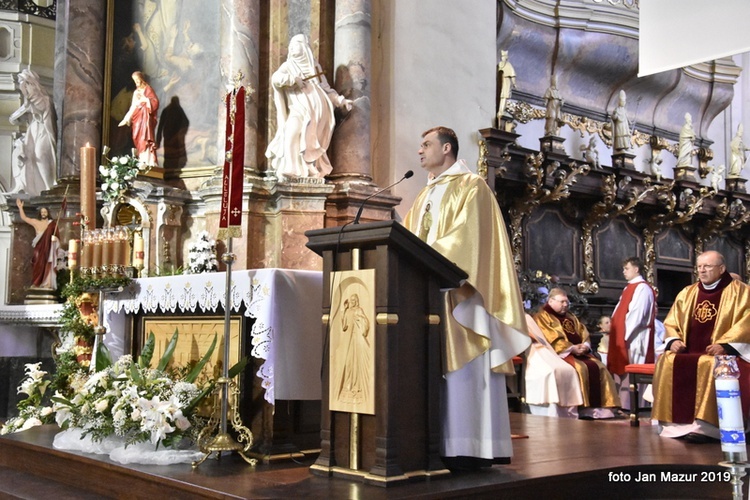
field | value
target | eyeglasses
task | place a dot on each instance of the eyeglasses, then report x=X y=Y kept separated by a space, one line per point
x=560 y=301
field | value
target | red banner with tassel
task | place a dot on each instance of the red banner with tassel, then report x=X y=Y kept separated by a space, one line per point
x=230 y=220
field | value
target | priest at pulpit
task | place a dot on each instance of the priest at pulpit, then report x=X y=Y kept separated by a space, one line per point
x=456 y=214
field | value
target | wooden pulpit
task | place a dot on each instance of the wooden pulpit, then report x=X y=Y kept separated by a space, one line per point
x=381 y=373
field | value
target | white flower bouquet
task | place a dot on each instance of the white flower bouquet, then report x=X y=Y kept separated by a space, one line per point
x=31 y=411
x=118 y=173
x=132 y=401
x=202 y=255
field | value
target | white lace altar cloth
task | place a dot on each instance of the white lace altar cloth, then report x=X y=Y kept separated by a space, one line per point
x=140 y=453
x=286 y=305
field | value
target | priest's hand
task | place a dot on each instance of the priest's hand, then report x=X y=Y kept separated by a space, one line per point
x=715 y=350
x=677 y=346
x=580 y=349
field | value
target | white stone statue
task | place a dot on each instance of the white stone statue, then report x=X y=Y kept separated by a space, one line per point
x=554 y=104
x=304 y=113
x=687 y=136
x=590 y=154
x=654 y=163
x=621 y=126
x=717 y=177
x=508 y=82
x=35 y=152
x=738 y=154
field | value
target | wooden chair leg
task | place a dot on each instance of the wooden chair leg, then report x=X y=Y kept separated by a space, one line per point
x=634 y=401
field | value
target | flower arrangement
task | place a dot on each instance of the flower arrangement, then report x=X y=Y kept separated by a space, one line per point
x=118 y=173
x=134 y=402
x=32 y=411
x=202 y=255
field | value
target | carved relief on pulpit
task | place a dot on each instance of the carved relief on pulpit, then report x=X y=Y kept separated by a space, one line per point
x=352 y=333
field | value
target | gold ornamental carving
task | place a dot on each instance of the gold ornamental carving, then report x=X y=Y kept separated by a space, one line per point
x=728 y=218
x=482 y=162
x=607 y=208
x=679 y=209
x=537 y=194
x=523 y=112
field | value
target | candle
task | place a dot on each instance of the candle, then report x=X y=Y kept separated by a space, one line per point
x=120 y=246
x=73 y=254
x=97 y=253
x=87 y=250
x=88 y=184
x=731 y=425
x=138 y=253
x=107 y=247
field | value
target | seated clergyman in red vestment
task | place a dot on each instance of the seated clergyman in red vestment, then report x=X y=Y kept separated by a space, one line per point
x=570 y=339
x=708 y=318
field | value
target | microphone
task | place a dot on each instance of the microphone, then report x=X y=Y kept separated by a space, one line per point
x=408 y=174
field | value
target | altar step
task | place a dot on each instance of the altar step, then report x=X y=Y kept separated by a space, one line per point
x=31 y=470
x=543 y=466
x=16 y=484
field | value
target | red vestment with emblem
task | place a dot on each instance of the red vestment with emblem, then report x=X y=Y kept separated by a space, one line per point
x=684 y=383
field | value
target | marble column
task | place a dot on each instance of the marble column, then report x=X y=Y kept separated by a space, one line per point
x=79 y=60
x=240 y=48
x=350 y=146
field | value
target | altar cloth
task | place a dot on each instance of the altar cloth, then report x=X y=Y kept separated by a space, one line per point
x=285 y=304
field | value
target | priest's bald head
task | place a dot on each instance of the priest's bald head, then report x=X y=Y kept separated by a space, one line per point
x=710 y=266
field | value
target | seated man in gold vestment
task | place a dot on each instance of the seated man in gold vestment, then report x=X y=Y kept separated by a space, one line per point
x=570 y=339
x=708 y=318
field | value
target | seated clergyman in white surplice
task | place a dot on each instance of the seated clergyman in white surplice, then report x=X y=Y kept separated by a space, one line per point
x=552 y=386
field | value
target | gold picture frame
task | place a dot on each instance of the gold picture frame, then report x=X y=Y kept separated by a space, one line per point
x=196 y=333
x=175 y=45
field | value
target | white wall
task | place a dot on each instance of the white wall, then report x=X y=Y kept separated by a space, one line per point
x=433 y=64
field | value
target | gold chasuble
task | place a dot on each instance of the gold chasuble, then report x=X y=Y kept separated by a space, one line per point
x=457 y=214
x=731 y=326
x=597 y=385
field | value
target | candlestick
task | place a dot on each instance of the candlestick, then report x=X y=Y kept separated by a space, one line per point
x=88 y=185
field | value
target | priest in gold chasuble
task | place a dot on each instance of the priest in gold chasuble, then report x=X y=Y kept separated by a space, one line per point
x=457 y=214
x=708 y=318
x=570 y=340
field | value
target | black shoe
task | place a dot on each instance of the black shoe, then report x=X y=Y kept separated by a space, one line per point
x=695 y=438
x=465 y=464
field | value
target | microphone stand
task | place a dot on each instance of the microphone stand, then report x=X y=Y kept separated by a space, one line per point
x=407 y=175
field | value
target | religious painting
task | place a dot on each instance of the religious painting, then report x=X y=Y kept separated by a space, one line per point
x=196 y=333
x=352 y=342
x=175 y=45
